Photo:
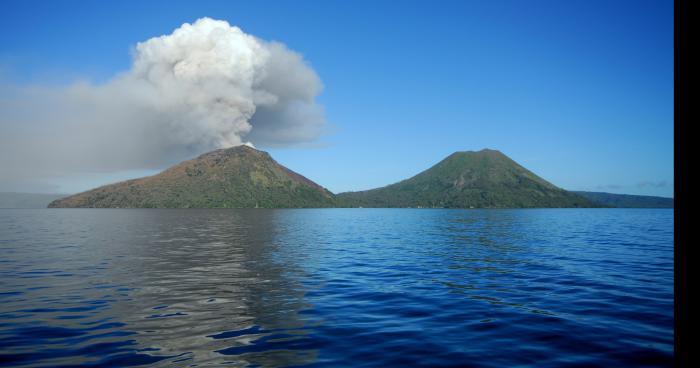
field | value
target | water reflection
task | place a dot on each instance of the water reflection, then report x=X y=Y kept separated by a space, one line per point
x=190 y=286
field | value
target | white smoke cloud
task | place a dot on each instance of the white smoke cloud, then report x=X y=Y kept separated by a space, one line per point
x=207 y=85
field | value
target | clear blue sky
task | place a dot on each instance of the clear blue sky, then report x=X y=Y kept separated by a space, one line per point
x=580 y=92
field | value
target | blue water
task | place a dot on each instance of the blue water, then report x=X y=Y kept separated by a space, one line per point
x=336 y=287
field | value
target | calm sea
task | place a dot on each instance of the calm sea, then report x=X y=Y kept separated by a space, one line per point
x=336 y=287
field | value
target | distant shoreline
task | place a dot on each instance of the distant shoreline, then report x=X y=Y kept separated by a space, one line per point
x=16 y=200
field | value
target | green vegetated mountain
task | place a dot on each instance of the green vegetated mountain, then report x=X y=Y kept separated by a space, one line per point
x=628 y=200
x=483 y=179
x=238 y=177
x=243 y=177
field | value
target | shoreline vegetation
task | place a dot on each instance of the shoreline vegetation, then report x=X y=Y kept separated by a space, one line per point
x=244 y=177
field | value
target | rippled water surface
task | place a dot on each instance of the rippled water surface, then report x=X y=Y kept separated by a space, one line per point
x=336 y=287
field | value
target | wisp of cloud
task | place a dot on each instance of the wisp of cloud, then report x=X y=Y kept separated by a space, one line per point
x=207 y=85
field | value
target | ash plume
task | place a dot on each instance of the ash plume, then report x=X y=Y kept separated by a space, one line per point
x=206 y=85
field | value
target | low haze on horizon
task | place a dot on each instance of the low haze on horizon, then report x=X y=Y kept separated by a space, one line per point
x=353 y=95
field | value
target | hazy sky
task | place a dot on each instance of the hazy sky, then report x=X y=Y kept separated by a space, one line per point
x=580 y=92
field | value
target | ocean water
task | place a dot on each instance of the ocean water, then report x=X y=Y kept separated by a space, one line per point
x=336 y=287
